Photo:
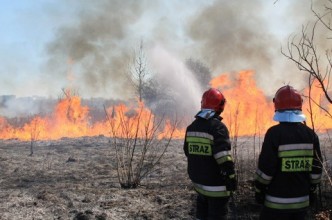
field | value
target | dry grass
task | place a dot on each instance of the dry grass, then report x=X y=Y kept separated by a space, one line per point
x=76 y=179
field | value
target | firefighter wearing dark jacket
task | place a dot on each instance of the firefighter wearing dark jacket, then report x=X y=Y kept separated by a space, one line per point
x=289 y=166
x=210 y=165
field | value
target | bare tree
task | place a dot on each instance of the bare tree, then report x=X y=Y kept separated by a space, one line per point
x=138 y=71
x=306 y=52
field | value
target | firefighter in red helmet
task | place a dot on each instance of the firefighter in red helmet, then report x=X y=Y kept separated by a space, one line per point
x=210 y=164
x=289 y=164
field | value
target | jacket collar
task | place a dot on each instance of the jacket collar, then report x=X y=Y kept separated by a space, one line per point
x=207 y=114
x=289 y=116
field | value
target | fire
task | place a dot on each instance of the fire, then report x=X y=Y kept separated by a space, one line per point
x=322 y=118
x=248 y=112
x=71 y=119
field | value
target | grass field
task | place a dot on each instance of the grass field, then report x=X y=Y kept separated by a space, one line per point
x=77 y=179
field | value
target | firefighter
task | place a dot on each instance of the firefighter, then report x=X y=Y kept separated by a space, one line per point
x=210 y=165
x=289 y=165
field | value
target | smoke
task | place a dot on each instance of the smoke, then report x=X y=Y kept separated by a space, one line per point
x=91 y=53
x=228 y=36
x=96 y=47
x=12 y=106
x=180 y=84
x=234 y=36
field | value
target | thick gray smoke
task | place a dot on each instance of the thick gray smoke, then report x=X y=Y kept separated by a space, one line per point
x=229 y=36
x=17 y=107
x=233 y=36
x=96 y=47
x=93 y=53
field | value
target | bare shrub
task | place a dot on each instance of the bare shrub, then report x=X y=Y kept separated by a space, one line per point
x=140 y=143
x=34 y=132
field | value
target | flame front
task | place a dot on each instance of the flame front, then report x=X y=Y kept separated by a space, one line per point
x=247 y=112
x=71 y=119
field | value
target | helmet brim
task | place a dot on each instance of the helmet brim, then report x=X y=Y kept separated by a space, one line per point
x=289 y=116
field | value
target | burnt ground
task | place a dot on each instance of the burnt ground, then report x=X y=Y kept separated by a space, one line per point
x=76 y=179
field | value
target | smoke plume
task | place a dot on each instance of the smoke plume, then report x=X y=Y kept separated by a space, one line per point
x=93 y=53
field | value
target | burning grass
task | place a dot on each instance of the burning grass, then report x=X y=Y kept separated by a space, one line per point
x=248 y=112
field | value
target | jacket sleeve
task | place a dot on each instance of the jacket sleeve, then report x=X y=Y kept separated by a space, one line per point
x=222 y=150
x=316 y=171
x=267 y=164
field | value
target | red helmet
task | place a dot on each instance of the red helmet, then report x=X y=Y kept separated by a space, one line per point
x=213 y=99
x=287 y=98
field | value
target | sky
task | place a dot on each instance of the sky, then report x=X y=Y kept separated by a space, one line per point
x=48 y=45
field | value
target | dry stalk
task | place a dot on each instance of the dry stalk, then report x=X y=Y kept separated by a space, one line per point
x=34 y=134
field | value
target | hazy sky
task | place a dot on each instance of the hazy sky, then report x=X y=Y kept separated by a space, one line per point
x=47 y=45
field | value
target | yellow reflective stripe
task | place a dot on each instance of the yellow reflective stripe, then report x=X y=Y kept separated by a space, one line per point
x=212 y=191
x=295 y=150
x=315 y=178
x=262 y=177
x=232 y=176
x=224 y=159
x=286 y=206
x=286 y=203
x=261 y=180
x=198 y=140
x=200 y=134
x=287 y=200
x=222 y=154
x=296 y=153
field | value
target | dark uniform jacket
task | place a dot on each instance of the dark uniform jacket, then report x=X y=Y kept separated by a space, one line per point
x=289 y=164
x=207 y=147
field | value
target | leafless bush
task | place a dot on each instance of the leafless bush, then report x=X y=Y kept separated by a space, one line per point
x=140 y=142
x=34 y=132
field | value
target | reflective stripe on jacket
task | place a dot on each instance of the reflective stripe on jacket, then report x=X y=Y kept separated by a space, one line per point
x=207 y=147
x=212 y=191
x=289 y=163
x=286 y=203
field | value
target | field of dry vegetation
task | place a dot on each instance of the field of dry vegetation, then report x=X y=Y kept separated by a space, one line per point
x=77 y=179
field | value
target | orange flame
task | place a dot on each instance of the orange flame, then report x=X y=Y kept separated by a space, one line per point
x=71 y=119
x=321 y=118
x=247 y=112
